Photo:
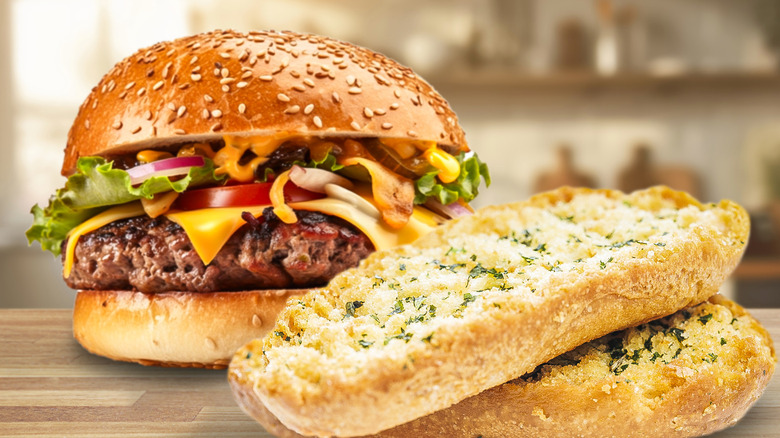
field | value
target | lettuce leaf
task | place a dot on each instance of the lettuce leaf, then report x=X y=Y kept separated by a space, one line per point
x=94 y=187
x=472 y=171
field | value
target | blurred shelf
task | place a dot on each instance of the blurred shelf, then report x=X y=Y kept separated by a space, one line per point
x=593 y=81
x=758 y=269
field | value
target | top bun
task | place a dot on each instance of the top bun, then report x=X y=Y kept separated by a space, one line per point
x=225 y=82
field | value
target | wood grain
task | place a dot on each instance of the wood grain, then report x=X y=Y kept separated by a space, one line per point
x=51 y=387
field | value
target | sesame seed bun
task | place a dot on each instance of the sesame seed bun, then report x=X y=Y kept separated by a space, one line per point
x=225 y=82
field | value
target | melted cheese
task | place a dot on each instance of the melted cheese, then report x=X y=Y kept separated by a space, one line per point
x=210 y=228
x=448 y=166
x=381 y=235
x=281 y=209
x=124 y=211
x=228 y=159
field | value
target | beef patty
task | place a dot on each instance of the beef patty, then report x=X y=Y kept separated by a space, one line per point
x=155 y=255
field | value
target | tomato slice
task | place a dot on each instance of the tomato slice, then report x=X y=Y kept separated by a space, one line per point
x=241 y=195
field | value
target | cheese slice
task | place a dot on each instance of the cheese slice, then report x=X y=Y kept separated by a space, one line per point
x=210 y=228
x=123 y=211
x=381 y=235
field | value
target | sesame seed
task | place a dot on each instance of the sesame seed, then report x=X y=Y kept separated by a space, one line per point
x=216 y=71
x=224 y=72
x=136 y=130
x=216 y=127
x=171 y=117
x=380 y=112
x=216 y=114
x=336 y=97
x=246 y=74
x=171 y=106
x=292 y=110
x=180 y=112
x=193 y=60
x=179 y=131
x=309 y=108
x=241 y=84
x=397 y=93
x=317 y=121
x=184 y=86
x=342 y=66
x=350 y=80
x=241 y=108
x=243 y=56
x=295 y=74
x=205 y=114
x=226 y=88
x=394 y=106
x=148 y=115
x=122 y=94
x=208 y=98
x=195 y=77
x=167 y=69
x=368 y=113
x=225 y=55
x=111 y=85
x=412 y=133
x=309 y=82
x=355 y=126
x=256 y=321
x=283 y=97
x=355 y=90
x=86 y=124
x=266 y=78
x=130 y=85
x=337 y=61
x=381 y=79
x=117 y=125
x=224 y=81
x=299 y=87
x=196 y=46
x=387 y=125
x=158 y=85
x=141 y=91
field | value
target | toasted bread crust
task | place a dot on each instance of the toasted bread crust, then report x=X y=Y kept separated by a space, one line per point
x=316 y=387
x=176 y=329
x=587 y=399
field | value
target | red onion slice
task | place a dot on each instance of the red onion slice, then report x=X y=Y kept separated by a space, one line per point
x=452 y=211
x=167 y=167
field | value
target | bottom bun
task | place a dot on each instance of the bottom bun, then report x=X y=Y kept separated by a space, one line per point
x=690 y=374
x=176 y=329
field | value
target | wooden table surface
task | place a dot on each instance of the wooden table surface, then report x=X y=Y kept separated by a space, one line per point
x=50 y=386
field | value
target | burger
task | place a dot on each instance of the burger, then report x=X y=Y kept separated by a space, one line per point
x=212 y=177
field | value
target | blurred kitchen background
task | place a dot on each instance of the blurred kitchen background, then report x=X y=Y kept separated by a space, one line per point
x=615 y=94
